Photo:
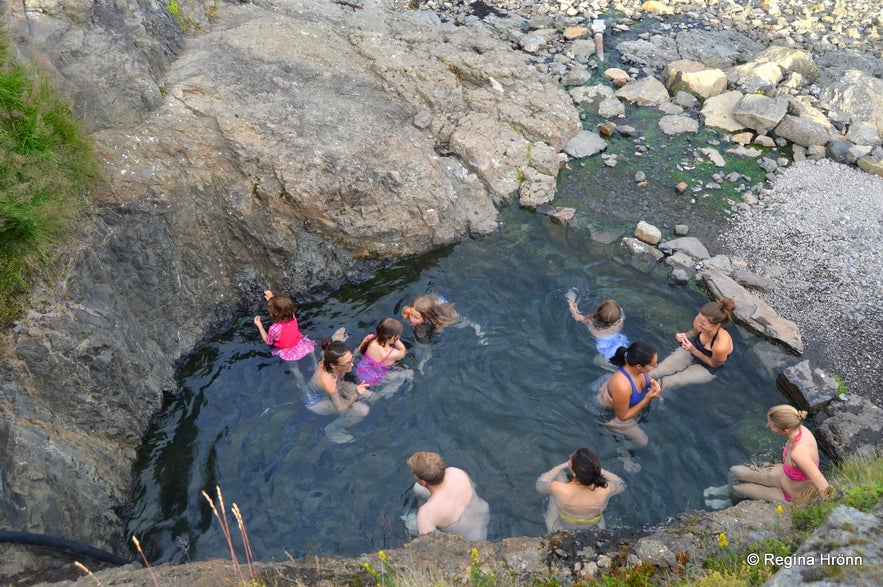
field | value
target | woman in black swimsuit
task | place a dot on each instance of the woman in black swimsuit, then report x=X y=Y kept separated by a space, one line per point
x=704 y=348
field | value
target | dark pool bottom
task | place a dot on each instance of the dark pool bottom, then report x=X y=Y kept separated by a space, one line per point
x=504 y=405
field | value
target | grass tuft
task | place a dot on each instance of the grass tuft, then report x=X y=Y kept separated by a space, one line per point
x=47 y=167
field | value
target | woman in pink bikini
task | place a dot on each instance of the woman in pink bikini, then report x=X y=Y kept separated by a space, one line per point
x=380 y=351
x=799 y=471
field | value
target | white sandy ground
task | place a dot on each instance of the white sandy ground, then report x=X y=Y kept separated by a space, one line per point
x=818 y=234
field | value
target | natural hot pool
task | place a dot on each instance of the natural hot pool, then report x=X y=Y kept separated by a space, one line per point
x=505 y=408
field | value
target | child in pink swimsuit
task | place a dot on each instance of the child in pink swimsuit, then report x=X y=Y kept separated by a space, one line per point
x=284 y=335
x=380 y=351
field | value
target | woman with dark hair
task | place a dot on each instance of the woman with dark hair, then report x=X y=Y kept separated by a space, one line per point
x=327 y=392
x=630 y=389
x=581 y=500
x=704 y=348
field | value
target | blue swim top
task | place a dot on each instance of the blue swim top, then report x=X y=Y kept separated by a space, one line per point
x=607 y=346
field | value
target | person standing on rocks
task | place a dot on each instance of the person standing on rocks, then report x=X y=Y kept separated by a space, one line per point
x=630 y=390
x=704 y=348
x=799 y=472
x=581 y=501
x=452 y=505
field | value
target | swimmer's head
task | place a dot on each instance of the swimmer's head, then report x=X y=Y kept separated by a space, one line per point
x=388 y=330
x=719 y=312
x=430 y=308
x=281 y=308
x=586 y=468
x=412 y=316
x=607 y=313
x=428 y=467
x=335 y=353
x=637 y=354
x=785 y=417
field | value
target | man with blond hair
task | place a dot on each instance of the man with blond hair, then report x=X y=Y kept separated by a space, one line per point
x=451 y=502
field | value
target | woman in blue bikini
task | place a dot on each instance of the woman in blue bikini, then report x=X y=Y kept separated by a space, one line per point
x=621 y=392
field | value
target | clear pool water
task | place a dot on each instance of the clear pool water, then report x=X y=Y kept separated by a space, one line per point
x=505 y=407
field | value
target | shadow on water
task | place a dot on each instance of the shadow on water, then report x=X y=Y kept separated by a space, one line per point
x=505 y=406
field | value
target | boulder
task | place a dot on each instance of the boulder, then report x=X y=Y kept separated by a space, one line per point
x=862 y=133
x=689 y=245
x=759 y=112
x=753 y=312
x=850 y=427
x=714 y=156
x=647 y=90
x=801 y=131
x=752 y=280
x=642 y=255
x=599 y=99
x=753 y=77
x=656 y=52
x=870 y=165
x=855 y=98
x=695 y=78
x=809 y=387
x=717 y=111
x=838 y=552
x=790 y=59
x=585 y=144
x=715 y=48
x=682 y=263
x=648 y=233
x=675 y=124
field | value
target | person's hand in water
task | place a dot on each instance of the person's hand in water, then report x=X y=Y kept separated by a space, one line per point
x=570 y=296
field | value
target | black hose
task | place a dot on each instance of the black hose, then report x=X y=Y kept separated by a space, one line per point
x=62 y=544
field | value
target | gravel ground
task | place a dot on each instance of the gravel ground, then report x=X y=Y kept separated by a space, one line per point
x=818 y=234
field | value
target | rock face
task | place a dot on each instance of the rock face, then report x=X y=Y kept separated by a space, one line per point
x=294 y=145
x=752 y=311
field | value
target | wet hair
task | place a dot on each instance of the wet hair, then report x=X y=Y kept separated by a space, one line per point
x=434 y=310
x=607 y=313
x=281 y=308
x=428 y=466
x=388 y=329
x=638 y=353
x=332 y=352
x=719 y=312
x=587 y=468
x=786 y=417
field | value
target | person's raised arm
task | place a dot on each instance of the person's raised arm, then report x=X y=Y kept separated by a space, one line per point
x=614 y=481
x=574 y=309
x=259 y=324
x=545 y=480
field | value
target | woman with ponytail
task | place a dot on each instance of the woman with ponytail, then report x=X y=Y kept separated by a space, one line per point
x=704 y=348
x=630 y=389
x=799 y=472
x=580 y=501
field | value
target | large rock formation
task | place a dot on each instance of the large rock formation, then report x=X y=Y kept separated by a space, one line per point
x=291 y=144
